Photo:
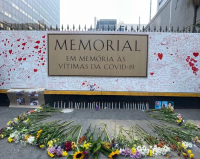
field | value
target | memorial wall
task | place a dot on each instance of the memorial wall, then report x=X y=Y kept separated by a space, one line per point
x=110 y=61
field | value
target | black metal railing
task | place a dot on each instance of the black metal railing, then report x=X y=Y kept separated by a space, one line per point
x=43 y=27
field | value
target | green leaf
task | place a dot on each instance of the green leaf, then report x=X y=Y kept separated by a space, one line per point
x=96 y=155
x=70 y=157
x=98 y=147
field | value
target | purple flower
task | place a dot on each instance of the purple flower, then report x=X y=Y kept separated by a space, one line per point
x=85 y=152
x=132 y=155
x=126 y=152
x=138 y=154
x=123 y=153
x=113 y=145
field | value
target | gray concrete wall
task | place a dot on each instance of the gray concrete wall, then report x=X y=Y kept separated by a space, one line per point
x=181 y=15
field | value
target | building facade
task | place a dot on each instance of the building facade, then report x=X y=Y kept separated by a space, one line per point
x=106 y=24
x=160 y=3
x=121 y=26
x=176 y=14
x=29 y=14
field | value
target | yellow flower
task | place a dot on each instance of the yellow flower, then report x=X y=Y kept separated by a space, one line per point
x=9 y=123
x=50 y=154
x=54 y=140
x=26 y=137
x=78 y=155
x=86 y=145
x=39 y=133
x=50 y=143
x=64 y=153
x=40 y=108
x=189 y=151
x=133 y=150
x=27 y=119
x=150 y=153
x=183 y=144
x=135 y=145
x=41 y=146
x=73 y=145
x=10 y=139
x=191 y=155
x=113 y=154
x=2 y=136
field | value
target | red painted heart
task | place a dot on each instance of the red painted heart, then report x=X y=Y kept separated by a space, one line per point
x=160 y=55
x=195 y=54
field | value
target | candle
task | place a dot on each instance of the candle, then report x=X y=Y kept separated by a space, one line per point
x=97 y=108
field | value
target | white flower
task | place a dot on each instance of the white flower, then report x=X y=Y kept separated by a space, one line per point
x=31 y=139
x=143 y=152
x=155 y=151
x=139 y=148
x=120 y=151
x=155 y=146
x=16 y=120
x=163 y=151
x=14 y=134
x=166 y=148
x=9 y=128
x=144 y=148
x=159 y=151
x=150 y=147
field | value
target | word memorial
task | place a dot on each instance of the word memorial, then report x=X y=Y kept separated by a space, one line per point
x=119 y=55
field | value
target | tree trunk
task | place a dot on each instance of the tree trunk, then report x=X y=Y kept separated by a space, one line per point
x=195 y=18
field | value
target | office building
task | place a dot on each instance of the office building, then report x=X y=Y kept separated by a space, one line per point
x=29 y=13
x=106 y=24
x=173 y=14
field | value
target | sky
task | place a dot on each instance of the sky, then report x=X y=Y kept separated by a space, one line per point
x=83 y=11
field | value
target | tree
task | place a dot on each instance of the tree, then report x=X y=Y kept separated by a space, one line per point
x=196 y=4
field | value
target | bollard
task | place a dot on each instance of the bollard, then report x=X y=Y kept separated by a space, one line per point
x=84 y=105
x=61 y=104
x=64 y=104
x=54 y=105
x=58 y=104
x=119 y=105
